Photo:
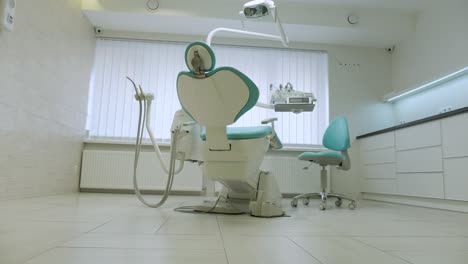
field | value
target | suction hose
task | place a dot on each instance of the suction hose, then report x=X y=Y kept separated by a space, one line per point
x=143 y=119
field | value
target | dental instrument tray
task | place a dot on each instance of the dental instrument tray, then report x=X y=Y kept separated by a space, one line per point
x=288 y=100
x=296 y=105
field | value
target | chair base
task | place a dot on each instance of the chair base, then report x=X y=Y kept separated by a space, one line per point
x=323 y=196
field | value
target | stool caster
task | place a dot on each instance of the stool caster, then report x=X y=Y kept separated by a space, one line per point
x=294 y=203
x=338 y=203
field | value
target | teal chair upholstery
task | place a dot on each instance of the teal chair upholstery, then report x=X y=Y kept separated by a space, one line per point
x=235 y=133
x=336 y=139
x=217 y=97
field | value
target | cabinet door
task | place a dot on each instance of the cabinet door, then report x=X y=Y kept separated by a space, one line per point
x=419 y=136
x=378 y=156
x=379 y=171
x=385 y=140
x=429 y=185
x=455 y=136
x=456 y=179
x=420 y=160
x=385 y=186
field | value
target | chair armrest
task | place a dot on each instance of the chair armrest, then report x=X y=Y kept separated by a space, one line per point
x=269 y=120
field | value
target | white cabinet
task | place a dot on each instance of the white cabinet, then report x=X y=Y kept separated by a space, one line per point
x=380 y=141
x=419 y=136
x=420 y=160
x=455 y=136
x=378 y=164
x=456 y=178
x=429 y=185
x=380 y=171
x=378 y=156
x=428 y=160
x=385 y=186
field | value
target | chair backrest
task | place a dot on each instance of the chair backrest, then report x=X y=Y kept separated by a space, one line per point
x=215 y=98
x=336 y=136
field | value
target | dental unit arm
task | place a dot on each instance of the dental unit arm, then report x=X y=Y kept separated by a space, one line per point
x=255 y=9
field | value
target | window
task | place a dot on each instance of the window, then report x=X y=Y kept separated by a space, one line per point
x=113 y=111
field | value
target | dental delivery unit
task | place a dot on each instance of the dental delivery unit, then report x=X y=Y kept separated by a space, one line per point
x=212 y=99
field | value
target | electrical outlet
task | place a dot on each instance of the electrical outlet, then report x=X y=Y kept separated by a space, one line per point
x=76 y=170
x=402 y=122
x=445 y=109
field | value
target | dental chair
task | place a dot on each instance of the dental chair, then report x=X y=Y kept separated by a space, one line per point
x=216 y=98
x=336 y=138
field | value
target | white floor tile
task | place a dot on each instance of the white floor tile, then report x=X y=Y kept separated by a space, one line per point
x=112 y=228
x=132 y=225
x=417 y=243
x=22 y=241
x=271 y=250
x=274 y=227
x=339 y=250
x=129 y=256
x=187 y=224
x=434 y=257
x=92 y=240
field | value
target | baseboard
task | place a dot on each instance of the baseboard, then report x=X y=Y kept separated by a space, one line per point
x=150 y=192
x=160 y=192
x=449 y=205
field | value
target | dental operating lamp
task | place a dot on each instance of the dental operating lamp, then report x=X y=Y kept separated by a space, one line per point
x=256 y=9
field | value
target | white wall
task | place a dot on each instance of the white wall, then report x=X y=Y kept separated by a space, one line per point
x=452 y=94
x=436 y=48
x=45 y=66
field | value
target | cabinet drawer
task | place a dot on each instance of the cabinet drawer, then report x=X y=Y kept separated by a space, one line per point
x=385 y=140
x=419 y=136
x=454 y=134
x=456 y=179
x=429 y=185
x=378 y=156
x=379 y=171
x=420 y=160
x=386 y=186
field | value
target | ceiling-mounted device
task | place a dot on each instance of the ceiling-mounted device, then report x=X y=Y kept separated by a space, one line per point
x=255 y=9
x=7 y=14
x=258 y=8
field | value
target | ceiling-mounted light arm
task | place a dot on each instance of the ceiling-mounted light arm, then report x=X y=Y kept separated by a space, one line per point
x=243 y=32
x=393 y=97
x=255 y=9
x=284 y=38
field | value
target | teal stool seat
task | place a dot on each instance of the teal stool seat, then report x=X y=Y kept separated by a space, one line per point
x=309 y=156
x=336 y=140
x=245 y=132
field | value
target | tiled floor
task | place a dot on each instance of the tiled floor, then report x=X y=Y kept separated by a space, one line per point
x=106 y=228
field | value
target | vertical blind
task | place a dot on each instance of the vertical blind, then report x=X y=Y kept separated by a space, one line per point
x=113 y=111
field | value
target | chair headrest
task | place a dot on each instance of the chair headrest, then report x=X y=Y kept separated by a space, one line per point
x=199 y=58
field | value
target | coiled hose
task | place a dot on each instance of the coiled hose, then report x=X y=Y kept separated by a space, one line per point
x=144 y=119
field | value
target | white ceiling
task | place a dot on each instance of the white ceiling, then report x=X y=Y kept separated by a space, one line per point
x=382 y=22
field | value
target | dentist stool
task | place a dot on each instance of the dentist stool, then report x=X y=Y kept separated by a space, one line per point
x=336 y=138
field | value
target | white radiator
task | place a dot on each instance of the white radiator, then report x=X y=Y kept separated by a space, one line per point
x=109 y=169
x=103 y=169
x=291 y=176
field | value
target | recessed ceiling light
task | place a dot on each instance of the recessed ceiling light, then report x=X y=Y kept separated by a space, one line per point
x=152 y=5
x=353 y=20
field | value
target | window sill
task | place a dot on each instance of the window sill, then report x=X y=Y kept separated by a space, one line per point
x=128 y=142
